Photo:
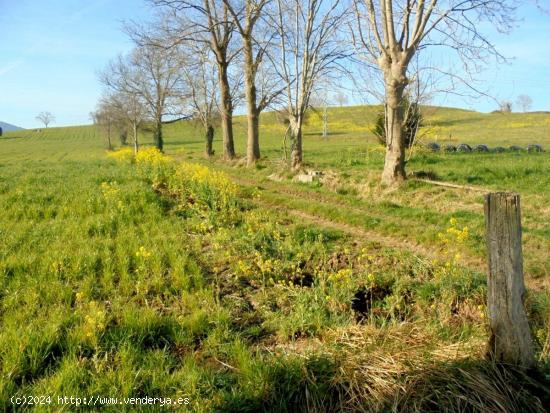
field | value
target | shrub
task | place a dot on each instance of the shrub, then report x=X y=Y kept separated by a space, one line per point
x=413 y=122
x=122 y=155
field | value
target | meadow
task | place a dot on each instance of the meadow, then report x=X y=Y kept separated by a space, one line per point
x=169 y=275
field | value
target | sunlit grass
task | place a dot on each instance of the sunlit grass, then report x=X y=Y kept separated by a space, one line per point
x=160 y=276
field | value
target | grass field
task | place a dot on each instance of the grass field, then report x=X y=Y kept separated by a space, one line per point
x=174 y=276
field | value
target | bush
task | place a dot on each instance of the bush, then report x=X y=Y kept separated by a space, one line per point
x=413 y=122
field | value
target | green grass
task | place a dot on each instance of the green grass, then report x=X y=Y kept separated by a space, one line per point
x=132 y=280
x=418 y=211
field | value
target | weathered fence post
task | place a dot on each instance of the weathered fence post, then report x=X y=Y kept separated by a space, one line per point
x=510 y=340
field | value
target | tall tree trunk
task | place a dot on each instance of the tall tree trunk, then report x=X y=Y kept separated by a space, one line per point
x=296 y=139
x=226 y=114
x=394 y=164
x=253 y=114
x=209 y=138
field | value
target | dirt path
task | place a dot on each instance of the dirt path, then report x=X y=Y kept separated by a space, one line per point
x=354 y=230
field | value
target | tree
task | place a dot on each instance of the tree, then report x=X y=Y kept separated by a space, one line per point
x=341 y=98
x=111 y=117
x=524 y=102
x=246 y=17
x=46 y=118
x=130 y=109
x=319 y=103
x=101 y=117
x=152 y=72
x=309 y=51
x=201 y=77
x=391 y=33
x=208 y=22
x=505 y=106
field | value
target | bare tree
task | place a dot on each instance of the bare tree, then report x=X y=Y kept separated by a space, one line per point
x=133 y=108
x=505 y=106
x=103 y=118
x=392 y=32
x=319 y=103
x=246 y=16
x=200 y=74
x=308 y=52
x=341 y=98
x=208 y=22
x=524 y=102
x=46 y=118
x=154 y=74
x=128 y=107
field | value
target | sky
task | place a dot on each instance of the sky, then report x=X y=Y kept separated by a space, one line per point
x=51 y=51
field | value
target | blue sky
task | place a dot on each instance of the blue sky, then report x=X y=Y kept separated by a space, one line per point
x=50 y=52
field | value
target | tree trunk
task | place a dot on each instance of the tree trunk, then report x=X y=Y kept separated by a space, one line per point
x=209 y=138
x=510 y=340
x=394 y=163
x=226 y=114
x=296 y=139
x=253 y=114
x=109 y=144
x=136 y=146
x=253 y=142
x=157 y=135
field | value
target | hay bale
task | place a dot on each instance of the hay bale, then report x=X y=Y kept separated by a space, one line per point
x=534 y=148
x=464 y=147
x=449 y=148
x=481 y=148
x=433 y=146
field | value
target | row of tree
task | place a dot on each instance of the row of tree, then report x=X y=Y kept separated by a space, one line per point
x=201 y=59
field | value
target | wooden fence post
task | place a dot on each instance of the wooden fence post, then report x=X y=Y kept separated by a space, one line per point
x=510 y=340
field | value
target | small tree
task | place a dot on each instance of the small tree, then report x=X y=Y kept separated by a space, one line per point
x=46 y=118
x=109 y=118
x=524 y=102
x=505 y=106
x=129 y=109
x=341 y=99
x=151 y=72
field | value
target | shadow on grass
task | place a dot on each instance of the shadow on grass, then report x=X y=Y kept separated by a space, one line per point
x=321 y=385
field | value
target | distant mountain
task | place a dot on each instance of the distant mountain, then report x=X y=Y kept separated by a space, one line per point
x=6 y=127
